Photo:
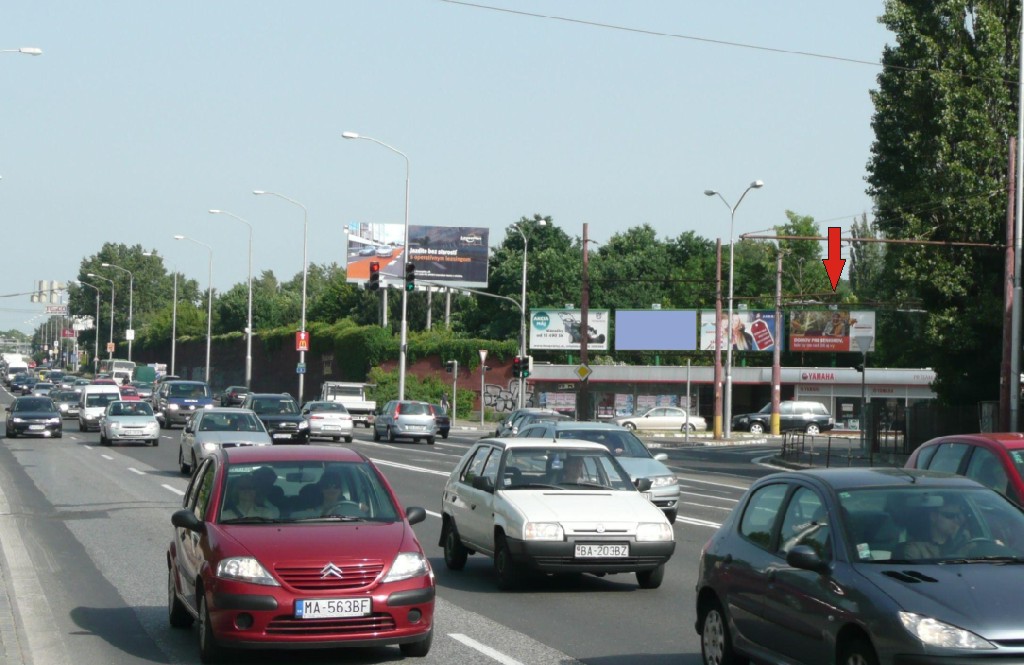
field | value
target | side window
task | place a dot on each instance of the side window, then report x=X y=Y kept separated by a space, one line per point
x=475 y=465
x=205 y=489
x=491 y=469
x=925 y=456
x=805 y=523
x=760 y=513
x=948 y=457
x=987 y=469
x=786 y=408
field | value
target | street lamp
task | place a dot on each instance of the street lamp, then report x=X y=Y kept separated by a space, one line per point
x=757 y=184
x=130 y=333
x=110 y=345
x=174 y=317
x=248 y=323
x=28 y=50
x=405 y=261
x=305 y=271
x=96 y=327
x=522 y=310
x=209 y=301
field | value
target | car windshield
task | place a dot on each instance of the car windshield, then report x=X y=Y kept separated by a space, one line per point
x=272 y=405
x=36 y=404
x=922 y=524
x=307 y=492
x=130 y=409
x=101 y=399
x=189 y=390
x=620 y=443
x=563 y=468
x=229 y=422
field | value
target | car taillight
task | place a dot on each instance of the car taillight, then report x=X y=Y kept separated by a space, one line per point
x=398 y=409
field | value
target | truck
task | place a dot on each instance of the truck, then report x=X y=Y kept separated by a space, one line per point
x=353 y=396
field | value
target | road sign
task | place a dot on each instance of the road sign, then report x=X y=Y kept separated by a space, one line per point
x=583 y=372
x=57 y=309
x=302 y=341
x=129 y=335
x=110 y=347
x=300 y=368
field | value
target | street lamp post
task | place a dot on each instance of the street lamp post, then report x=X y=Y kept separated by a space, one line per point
x=757 y=184
x=28 y=50
x=174 y=316
x=130 y=333
x=110 y=344
x=248 y=321
x=405 y=260
x=522 y=310
x=305 y=272
x=209 y=301
x=96 y=327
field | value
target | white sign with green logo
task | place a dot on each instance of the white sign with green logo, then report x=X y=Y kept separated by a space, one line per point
x=560 y=329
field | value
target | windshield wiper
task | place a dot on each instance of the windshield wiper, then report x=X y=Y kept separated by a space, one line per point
x=995 y=558
x=252 y=519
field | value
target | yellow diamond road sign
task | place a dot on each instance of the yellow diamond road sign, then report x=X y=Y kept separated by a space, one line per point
x=583 y=372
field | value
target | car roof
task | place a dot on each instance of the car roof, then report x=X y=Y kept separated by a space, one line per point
x=1007 y=440
x=201 y=383
x=514 y=443
x=560 y=425
x=224 y=409
x=839 y=479
x=311 y=453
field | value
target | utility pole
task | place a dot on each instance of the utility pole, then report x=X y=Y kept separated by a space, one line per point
x=718 y=340
x=583 y=406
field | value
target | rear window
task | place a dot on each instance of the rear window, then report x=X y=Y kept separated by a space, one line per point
x=414 y=409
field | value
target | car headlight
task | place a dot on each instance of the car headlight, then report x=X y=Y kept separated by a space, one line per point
x=245 y=569
x=18 y=420
x=663 y=481
x=407 y=565
x=114 y=425
x=940 y=634
x=52 y=421
x=64 y=407
x=654 y=532
x=172 y=407
x=543 y=531
x=304 y=424
x=208 y=406
x=209 y=447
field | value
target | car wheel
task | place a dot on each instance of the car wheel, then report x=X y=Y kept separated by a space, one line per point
x=430 y=440
x=455 y=553
x=391 y=435
x=444 y=434
x=154 y=442
x=418 y=649
x=348 y=439
x=104 y=441
x=335 y=438
x=671 y=516
x=689 y=427
x=209 y=650
x=630 y=426
x=813 y=429
x=59 y=434
x=756 y=428
x=12 y=434
x=508 y=570
x=184 y=468
x=857 y=652
x=715 y=641
x=651 y=579
x=376 y=434
x=81 y=427
x=177 y=613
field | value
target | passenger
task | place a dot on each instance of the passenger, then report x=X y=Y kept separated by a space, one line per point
x=248 y=503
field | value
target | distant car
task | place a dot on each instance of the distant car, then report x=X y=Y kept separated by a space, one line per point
x=233 y=395
x=129 y=393
x=369 y=250
x=211 y=429
x=66 y=402
x=281 y=416
x=42 y=388
x=442 y=419
x=144 y=388
x=175 y=401
x=329 y=420
x=28 y=384
x=630 y=451
x=104 y=381
x=129 y=420
x=552 y=507
x=384 y=251
x=810 y=417
x=92 y=404
x=995 y=460
x=842 y=566
x=533 y=416
x=33 y=416
x=663 y=418
x=405 y=419
x=19 y=382
x=79 y=382
x=508 y=424
x=297 y=573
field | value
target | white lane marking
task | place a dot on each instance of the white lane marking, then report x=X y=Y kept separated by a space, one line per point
x=485 y=650
x=88 y=447
x=715 y=498
x=697 y=522
x=433 y=514
x=410 y=468
x=107 y=457
x=708 y=482
x=702 y=505
x=134 y=470
x=174 y=489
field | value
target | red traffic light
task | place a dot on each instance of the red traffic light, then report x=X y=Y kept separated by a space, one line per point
x=374 y=282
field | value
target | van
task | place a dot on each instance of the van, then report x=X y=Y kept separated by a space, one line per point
x=92 y=404
x=13 y=369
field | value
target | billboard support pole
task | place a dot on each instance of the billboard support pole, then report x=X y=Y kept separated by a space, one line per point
x=776 y=351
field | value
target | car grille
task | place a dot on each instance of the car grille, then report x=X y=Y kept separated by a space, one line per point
x=310 y=577
x=291 y=626
x=287 y=426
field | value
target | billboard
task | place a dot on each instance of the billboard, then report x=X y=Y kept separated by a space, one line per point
x=443 y=255
x=655 y=330
x=751 y=330
x=559 y=329
x=829 y=330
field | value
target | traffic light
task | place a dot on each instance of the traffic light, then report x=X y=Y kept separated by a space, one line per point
x=517 y=367
x=527 y=367
x=410 y=276
x=374 y=283
x=859 y=367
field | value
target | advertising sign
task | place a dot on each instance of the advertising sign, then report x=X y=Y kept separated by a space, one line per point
x=829 y=330
x=655 y=330
x=559 y=329
x=751 y=330
x=444 y=255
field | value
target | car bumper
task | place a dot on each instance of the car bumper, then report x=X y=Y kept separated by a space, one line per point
x=301 y=436
x=559 y=557
x=35 y=429
x=180 y=416
x=120 y=435
x=666 y=498
x=414 y=431
x=329 y=430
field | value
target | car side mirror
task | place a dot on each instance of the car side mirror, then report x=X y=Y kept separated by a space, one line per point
x=415 y=514
x=483 y=483
x=661 y=457
x=642 y=484
x=186 y=519
x=804 y=557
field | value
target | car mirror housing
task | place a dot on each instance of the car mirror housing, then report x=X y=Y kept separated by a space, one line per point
x=415 y=514
x=804 y=557
x=483 y=483
x=642 y=484
x=186 y=519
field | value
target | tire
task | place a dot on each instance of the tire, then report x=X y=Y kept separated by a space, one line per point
x=689 y=427
x=334 y=438
x=12 y=434
x=184 y=468
x=104 y=441
x=715 y=640
x=418 y=649
x=154 y=442
x=209 y=650
x=756 y=428
x=509 y=572
x=630 y=426
x=813 y=429
x=81 y=427
x=671 y=516
x=430 y=440
x=455 y=553
x=651 y=579
x=857 y=652
x=59 y=435
x=376 y=434
x=391 y=435
x=444 y=434
x=348 y=439
x=177 y=613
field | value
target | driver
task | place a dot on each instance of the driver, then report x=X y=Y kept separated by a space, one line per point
x=946 y=533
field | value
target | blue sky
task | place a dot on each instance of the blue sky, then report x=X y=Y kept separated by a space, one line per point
x=141 y=116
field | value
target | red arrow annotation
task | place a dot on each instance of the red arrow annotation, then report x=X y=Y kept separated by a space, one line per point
x=835 y=262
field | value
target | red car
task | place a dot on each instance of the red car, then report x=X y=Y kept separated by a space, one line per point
x=129 y=394
x=297 y=546
x=995 y=460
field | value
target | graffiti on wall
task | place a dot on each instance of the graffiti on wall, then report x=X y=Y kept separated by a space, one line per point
x=505 y=399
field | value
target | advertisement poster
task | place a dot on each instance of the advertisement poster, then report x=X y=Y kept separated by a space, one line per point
x=829 y=330
x=751 y=330
x=559 y=329
x=443 y=255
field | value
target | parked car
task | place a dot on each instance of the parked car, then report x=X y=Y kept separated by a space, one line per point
x=280 y=415
x=810 y=417
x=31 y=415
x=129 y=420
x=532 y=416
x=66 y=402
x=670 y=418
x=845 y=566
x=174 y=401
x=352 y=574
x=442 y=420
x=630 y=451
x=209 y=430
x=995 y=460
x=329 y=420
x=233 y=395
x=405 y=420
x=535 y=506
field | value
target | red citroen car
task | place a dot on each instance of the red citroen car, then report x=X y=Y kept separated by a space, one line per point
x=995 y=460
x=296 y=546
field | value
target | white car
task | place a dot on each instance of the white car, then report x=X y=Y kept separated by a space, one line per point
x=552 y=507
x=663 y=418
x=129 y=421
x=329 y=420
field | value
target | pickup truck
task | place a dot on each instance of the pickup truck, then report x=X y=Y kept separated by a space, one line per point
x=353 y=396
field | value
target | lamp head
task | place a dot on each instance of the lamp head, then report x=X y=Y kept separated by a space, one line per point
x=257 y=192
x=91 y=274
x=709 y=192
x=105 y=264
x=757 y=184
x=214 y=211
x=349 y=135
x=179 y=237
x=31 y=50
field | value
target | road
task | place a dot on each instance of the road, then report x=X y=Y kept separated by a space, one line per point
x=84 y=530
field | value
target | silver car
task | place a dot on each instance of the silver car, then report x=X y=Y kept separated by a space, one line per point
x=218 y=427
x=330 y=420
x=129 y=421
x=630 y=451
x=405 y=419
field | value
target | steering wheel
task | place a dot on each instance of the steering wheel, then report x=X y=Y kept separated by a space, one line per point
x=345 y=509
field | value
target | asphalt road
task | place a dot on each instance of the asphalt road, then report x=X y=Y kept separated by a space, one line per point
x=84 y=530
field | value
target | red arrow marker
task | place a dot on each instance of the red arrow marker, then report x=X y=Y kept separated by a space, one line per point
x=835 y=262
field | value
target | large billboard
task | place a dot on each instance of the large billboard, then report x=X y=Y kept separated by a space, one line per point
x=655 y=330
x=443 y=255
x=750 y=330
x=830 y=330
x=559 y=329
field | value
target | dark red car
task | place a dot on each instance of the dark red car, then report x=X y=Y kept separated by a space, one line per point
x=296 y=546
x=995 y=460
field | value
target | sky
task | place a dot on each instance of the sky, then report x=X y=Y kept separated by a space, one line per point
x=139 y=117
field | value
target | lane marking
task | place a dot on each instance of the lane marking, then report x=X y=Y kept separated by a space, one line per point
x=174 y=489
x=708 y=482
x=485 y=650
x=134 y=470
x=433 y=514
x=716 y=498
x=410 y=468
x=696 y=522
x=107 y=457
x=702 y=505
